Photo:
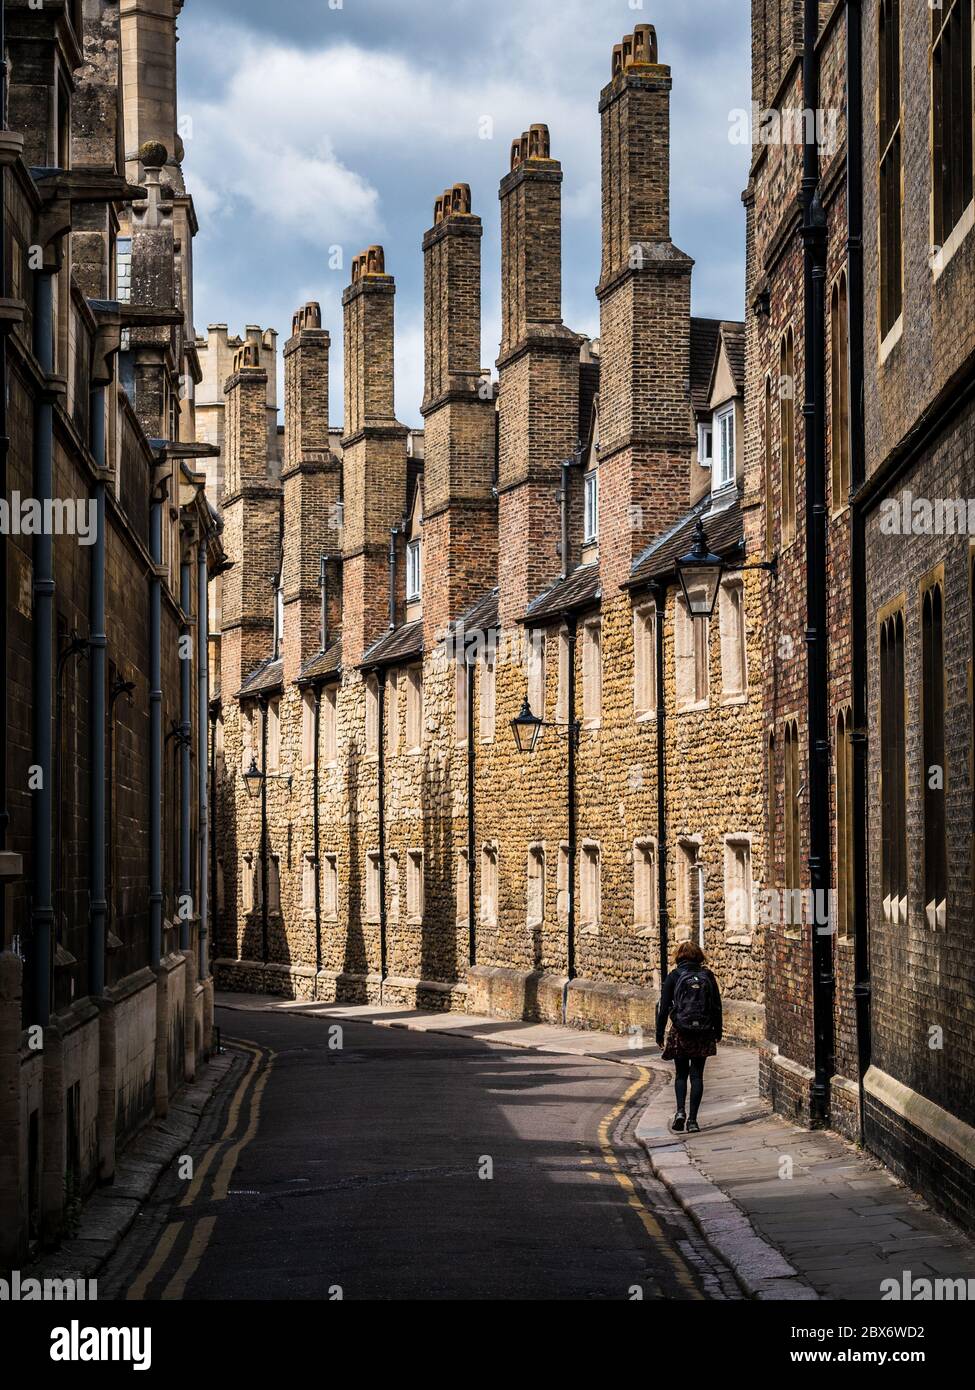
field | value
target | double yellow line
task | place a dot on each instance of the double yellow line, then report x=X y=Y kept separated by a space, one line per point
x=682 y=1272
x=254 y=1080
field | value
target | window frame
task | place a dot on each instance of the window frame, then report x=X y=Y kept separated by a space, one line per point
x=590 y=507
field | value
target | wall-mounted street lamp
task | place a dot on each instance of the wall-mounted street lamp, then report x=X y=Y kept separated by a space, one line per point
x=527 y=729
x=254 y=778
x=699 y=572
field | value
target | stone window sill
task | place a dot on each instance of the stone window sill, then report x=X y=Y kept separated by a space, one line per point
x=942 y=258
x=892 y=339
x=741 y=698
x=693 y=706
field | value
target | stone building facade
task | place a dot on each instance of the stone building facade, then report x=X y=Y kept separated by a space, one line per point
x=393 y=604
x=108 y=547
x=869 y=1029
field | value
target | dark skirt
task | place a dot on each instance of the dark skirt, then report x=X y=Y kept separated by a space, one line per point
x=688 y=1045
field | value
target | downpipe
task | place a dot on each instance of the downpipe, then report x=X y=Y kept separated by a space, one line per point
x=97 y=721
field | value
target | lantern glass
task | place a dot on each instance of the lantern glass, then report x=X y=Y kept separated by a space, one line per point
x=527 y=729
x=700 y=573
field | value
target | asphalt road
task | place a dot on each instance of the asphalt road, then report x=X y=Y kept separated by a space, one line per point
x=375 y=1163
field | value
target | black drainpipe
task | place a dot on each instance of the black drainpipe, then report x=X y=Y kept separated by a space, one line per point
x=214 y=715
x=4 y=447
x=316 y=825
x=393 y=532
x=572 y=629
x=814 y=237
x=119 y=688
x=263 y=706
x=564 y=515
x=663 y=913
x=159 y=496
x=471 y=811
x=185 y=757
x=76 y=647
x=858 y=557
x=381 y=794
x=42 y=685
x=98 y=903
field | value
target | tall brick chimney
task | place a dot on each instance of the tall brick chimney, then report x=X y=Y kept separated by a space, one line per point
x=539 y=370
x=645 y=304
x=459 y=511
x=310 y=478
x=374 y=453
x=252 y=525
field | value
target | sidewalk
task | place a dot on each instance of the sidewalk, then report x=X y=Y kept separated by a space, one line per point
x=832 y=1220
x=796 y=1214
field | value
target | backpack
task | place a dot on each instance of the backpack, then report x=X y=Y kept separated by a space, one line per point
x=693 y=1009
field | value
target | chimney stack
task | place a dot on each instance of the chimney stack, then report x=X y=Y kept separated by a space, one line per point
x=645 y=297
x=459 y=511
x=374 y=454
x=310 y=478
x=252 y=524
x=539 y=371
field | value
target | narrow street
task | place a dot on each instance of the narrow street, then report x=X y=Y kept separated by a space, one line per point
x=404 y=1166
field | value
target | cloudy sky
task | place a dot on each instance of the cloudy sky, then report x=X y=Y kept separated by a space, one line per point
x=312 y=125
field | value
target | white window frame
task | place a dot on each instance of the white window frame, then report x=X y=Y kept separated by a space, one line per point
x=488 y=694
x=372 y=717
x=535 y=658
x=462 y=888
x=308 y=730
x=414 y=571
x=489 y=884
x=725 y=469
x=590 y=487
x=535 y=886
x=739 y=887
x=414 y=709
x=705 y=445
x=734 y=650
x=414 y=885
x=273 y=735
x=645 y=661
x=329 y=713
x=308 y=883
x=330 y=887
x=373 y=886
x=645 y=914
x=592 y=674
x=590 y=885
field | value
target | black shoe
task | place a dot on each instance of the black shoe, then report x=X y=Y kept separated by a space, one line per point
x=693 y=1127
x=679 y=1119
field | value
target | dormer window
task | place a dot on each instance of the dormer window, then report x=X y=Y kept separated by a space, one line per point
x=591 y=522
x=414 y=571
x=724 y=424
x=705 y=447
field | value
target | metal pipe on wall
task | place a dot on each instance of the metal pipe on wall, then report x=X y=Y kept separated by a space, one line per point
x=97 y=715
x=155 y=728
x=858 y=556
x=814 y=238
x=42 y=691
x=186 y=907
x=571 y=638
x=663 y=915
x=203 y=732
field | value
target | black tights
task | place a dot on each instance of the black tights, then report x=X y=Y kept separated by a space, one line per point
x=695 y=1067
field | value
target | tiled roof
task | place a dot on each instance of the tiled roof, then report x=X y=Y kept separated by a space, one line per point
x=704 y=346
x=725 y=533
x=327 y=663
x=580 y=589
x=734 y=342
x=265 y=678
x=402 y=644
x=481 y=615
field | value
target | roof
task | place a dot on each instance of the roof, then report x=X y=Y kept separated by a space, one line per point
x=267 y=677
x=705 y=334
x=322 y=664
x=403 y=643
x=580 y=589
x=734 y=343
x=481 y=615
x=725 y=533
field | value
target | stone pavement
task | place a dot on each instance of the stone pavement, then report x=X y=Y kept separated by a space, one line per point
x=796 y=1214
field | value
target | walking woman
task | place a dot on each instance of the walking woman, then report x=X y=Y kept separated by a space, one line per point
x=691 y=1002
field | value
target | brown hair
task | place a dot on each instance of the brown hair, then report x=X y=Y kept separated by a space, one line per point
x=689 y=950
